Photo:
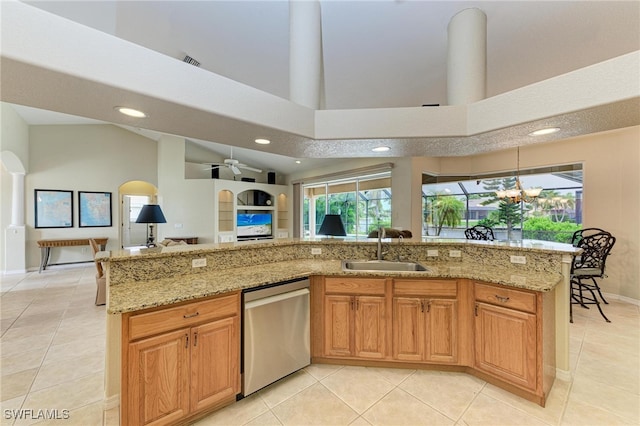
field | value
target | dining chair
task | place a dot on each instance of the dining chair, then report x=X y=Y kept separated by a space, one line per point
x=101 y=278
x=479 y=232
x=596 y=245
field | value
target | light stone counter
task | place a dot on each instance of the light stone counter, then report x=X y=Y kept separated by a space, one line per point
x=150 y=278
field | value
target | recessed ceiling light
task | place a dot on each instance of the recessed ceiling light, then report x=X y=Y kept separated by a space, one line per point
x=381 y=149
x=263 y=141
x=130 y=112
x=546 y=131
x=298 y=161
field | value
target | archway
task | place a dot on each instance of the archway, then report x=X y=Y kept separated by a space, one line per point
x=133 y=195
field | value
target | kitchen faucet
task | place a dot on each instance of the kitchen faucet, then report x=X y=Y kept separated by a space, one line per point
x=381 y=235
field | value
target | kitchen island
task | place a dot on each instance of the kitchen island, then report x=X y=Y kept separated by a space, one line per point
x=152 y=279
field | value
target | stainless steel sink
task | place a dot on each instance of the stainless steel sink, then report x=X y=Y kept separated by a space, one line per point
x=382 y=266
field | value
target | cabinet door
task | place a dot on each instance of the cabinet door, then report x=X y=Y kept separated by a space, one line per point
x=506 y=344
x=442 y=325
x=159 y=379
x=408 y=329
x=370 y=327
x=215 y=372
x=338 y=325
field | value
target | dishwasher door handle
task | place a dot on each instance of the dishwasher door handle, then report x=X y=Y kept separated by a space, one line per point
x=276 y=298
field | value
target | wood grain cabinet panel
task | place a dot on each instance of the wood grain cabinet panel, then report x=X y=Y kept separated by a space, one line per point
x=214 y=362
x=506 y=344
x=159 y=379
x=354 y=325
x=425 y=329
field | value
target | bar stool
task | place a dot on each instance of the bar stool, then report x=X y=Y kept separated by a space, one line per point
x=596 y=244
x=479 y=232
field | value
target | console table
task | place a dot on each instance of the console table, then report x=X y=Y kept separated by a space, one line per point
x=46 y=245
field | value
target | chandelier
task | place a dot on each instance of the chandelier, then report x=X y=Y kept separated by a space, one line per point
x=517 y=194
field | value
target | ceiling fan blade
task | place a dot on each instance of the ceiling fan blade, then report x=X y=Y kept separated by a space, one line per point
x=235 y=170
x=253 y=169
x=213 y=166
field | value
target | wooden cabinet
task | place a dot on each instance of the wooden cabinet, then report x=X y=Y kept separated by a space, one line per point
x=180 y=361
x=354 y=318
x=425 y=321
x=506 y=341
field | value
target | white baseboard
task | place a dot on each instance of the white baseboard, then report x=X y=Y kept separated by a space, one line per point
x=111 y=402
x=625 y=299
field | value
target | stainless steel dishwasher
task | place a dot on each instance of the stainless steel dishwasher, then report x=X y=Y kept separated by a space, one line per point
x=276 y=333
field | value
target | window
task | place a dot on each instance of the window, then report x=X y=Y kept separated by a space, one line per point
x=364 y=203
x=451 y=204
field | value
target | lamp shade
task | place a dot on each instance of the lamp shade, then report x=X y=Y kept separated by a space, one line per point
x=332 y=225
x=151 y=213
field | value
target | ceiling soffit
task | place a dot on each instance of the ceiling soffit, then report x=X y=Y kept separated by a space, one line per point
x=39 y=71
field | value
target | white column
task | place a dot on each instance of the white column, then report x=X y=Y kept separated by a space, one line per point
x=17 y=199
x=467 y=57
x=305 y=53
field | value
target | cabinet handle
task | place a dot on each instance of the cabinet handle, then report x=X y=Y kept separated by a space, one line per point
x=422 y=306
x=195 y=339
x=428 y=306
x=502 y=299
x=191 y=315
x=186 y=342
x=476 y=310
x=353 y=304
x=357 y=303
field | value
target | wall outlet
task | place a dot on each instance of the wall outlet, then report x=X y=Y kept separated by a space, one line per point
x=432 y=253
x=519 y=259
x=455 y=253
x=316 y=250
x=199 y=263
x=177 y=225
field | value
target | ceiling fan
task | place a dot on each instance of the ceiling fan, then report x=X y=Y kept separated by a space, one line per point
x=233 y=165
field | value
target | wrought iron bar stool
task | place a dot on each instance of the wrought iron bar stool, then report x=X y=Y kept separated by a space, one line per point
x=596 y=244
x=479 y=232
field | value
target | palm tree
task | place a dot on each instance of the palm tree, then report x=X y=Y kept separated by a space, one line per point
x=447 y=210
x=556 y=205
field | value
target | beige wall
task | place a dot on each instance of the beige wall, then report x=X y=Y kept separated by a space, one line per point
x=83 y=158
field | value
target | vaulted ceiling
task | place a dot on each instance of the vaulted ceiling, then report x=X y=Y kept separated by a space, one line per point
x=376 y=54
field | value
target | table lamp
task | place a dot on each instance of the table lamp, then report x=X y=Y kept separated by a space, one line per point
x=332 y=225
x=151 y=214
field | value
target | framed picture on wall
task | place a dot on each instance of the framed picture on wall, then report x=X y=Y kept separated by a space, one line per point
x=53 y=208
x=94 y=209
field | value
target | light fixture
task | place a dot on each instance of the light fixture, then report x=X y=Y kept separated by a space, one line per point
x=263 y=141
x=517 y=194
x=151 y=214
x=381 y=149
x=332 y=225
x=130 y=112
x=546 y=131
x=298 y=161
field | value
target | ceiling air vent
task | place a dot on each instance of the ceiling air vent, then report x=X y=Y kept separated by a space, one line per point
x=188 y=59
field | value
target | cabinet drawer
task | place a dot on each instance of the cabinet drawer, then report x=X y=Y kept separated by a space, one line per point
x=347 y=285
x=182 y=316
x=508 y=297
x=441 y=288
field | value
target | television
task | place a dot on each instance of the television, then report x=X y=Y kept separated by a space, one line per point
x=254 y=225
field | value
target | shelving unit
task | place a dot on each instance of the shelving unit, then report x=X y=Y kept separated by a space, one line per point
x=232 y=197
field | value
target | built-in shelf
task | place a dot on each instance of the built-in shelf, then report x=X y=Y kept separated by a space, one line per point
x=254 y=198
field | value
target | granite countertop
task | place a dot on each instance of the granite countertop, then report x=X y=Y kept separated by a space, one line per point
x=521 y=245
x=138 y=295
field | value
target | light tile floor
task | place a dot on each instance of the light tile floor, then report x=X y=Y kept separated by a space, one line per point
x=52 y=358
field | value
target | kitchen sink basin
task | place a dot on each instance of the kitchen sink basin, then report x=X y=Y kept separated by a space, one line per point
x=382 y=266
